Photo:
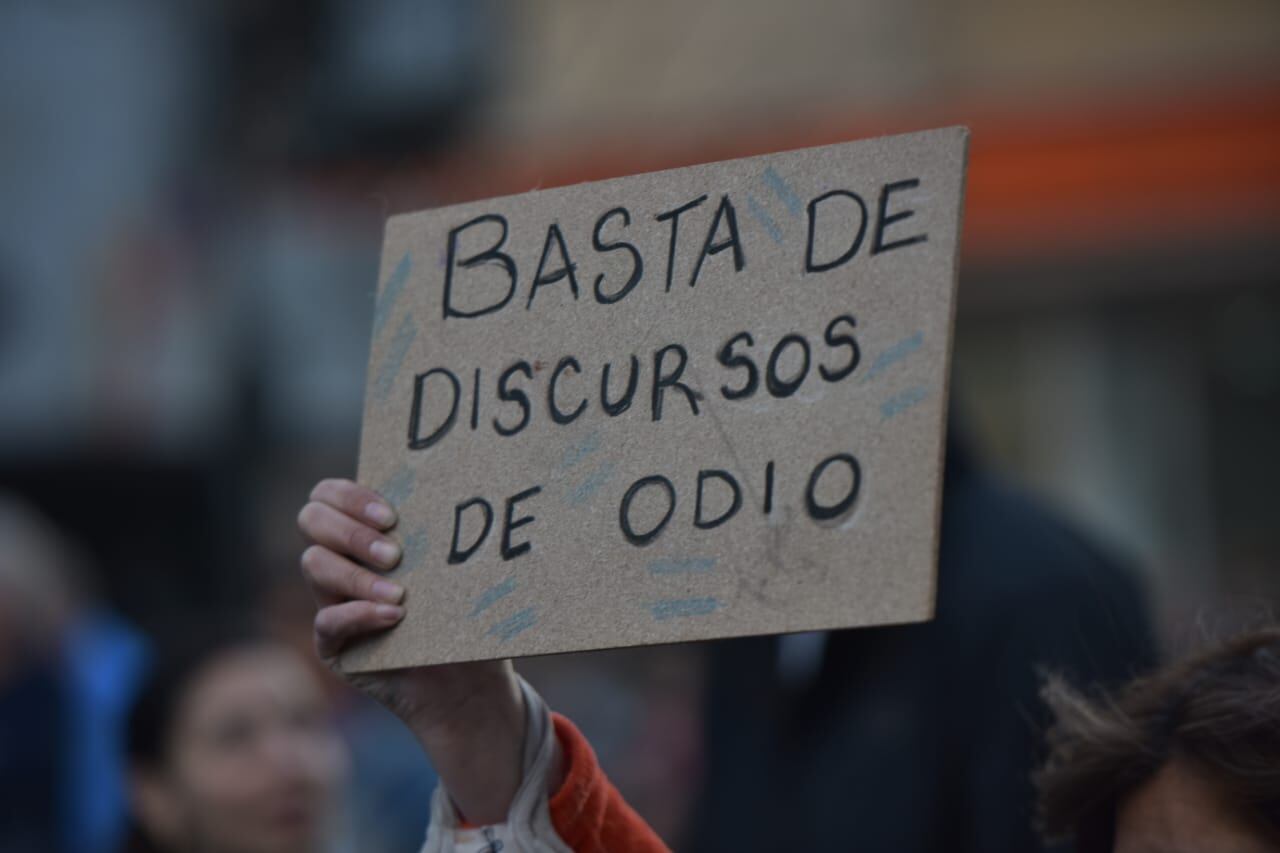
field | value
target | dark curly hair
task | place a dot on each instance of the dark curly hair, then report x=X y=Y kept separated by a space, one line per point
x=1220 y=712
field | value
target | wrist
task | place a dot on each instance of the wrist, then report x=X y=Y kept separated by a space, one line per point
x=475 y=700
x=476 y=742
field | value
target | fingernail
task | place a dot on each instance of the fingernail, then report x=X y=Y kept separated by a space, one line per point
x=389 y=611
x=379 y=513
x=385 y=552
x=392 y=593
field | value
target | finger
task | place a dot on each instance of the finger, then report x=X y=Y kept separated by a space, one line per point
x=356 y=501
x=323 y=598
x=339 y=624
x=334 y=578
x=341 y=533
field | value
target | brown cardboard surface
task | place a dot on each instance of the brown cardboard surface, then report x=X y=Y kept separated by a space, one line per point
x=838 y=477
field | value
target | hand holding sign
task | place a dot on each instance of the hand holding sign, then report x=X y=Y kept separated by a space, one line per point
x=469 y=717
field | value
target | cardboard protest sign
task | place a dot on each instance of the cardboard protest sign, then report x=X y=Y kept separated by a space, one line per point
x=699 y=403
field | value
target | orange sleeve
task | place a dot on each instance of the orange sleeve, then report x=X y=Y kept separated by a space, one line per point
x=588 y=812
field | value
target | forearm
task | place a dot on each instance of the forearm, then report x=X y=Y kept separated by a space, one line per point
x=477 y=748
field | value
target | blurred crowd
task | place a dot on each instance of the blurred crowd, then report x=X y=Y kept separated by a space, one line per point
x=194 y=194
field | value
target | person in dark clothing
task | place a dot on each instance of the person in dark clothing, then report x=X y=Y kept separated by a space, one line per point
x=32 y=709
x=921 y=737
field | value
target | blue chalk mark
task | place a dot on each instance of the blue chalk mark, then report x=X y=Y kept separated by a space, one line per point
x=762 y=216
x=398 y=489
x=513 y=625
x=783 y=190
x=895 y=354
x=590 y=485
x=899 y=403
x=414 y=549
x=390 y=293
x=395 y=357
x=492 y=596
x=575 y=454
x=675 y=566
x=673 y=608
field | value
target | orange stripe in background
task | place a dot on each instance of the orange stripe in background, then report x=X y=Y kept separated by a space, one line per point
x=1204 y=167
x=1044 y=180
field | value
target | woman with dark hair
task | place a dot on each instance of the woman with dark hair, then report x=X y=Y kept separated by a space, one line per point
x=1187 y=759
x=230 y=750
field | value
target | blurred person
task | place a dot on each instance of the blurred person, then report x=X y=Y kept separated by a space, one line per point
x=68 y=668
x=390 y=778
x=231 y=750
x=916 y=738
x=1185 y=760
x=33 y=705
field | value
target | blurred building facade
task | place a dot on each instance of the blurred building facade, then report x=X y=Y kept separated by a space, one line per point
x=1118 y=346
